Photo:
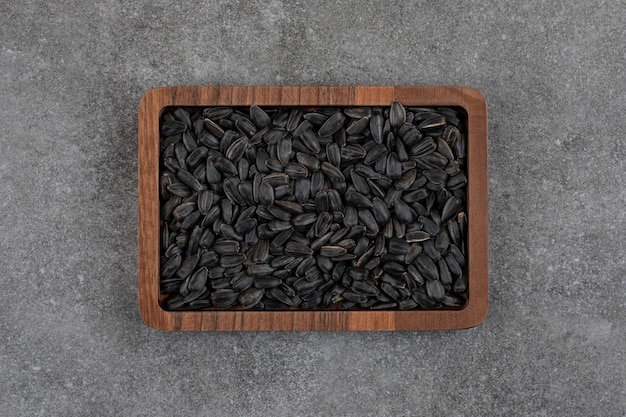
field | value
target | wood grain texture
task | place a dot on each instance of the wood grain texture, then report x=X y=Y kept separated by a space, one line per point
x=150 y=108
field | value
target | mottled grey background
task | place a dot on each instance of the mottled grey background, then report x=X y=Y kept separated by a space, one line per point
x=72 y=342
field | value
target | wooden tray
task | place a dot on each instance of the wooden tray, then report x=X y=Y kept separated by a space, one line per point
x=150 y=108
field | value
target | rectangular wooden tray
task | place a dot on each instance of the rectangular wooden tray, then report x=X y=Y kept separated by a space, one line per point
x=150 y=109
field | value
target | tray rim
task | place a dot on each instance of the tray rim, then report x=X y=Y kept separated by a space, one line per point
x=155 y=100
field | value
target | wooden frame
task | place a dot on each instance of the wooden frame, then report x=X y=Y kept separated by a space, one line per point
x=151 y=106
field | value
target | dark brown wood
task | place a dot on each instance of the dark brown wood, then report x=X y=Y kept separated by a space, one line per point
x=150 y=109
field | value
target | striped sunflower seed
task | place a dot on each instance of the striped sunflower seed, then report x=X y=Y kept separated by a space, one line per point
x=332 y=172
x=332 y=124
x=332 y=251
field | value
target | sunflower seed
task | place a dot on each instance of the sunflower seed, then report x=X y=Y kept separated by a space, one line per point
x=436 y=176
x=279 y=225
x=376 y=127
x=397 y=114
x=171 y=128
x=374 y=154
x=322 y=224
x=189 y=180
x=187 y=266
x=224 y=298
x=259 y=117
x=332 y=251
x=365 y=287
x=415 y=275
x=403 y=212
x=443 y=240
x=368 y=220
x=237 y=149
x=416 y=195
x=309 y=161
x=406 y=179
x=171 y=266
x=358 y=200
x=179 y=189
x=460 y=284
x=267 y=281
x=457 y=255
x=444 y=272
x=304 y=286
x=197 y=156
x=266 y=194
x=296 y=171
x=332 y=172
x=281 y=238
x=225 y=166
x=274 y=165
x=283 y=150
x=431 y=250
x=429 y=226
x=394 y=166
x=424 y=147
x=226 y=247
x=276 y=179
x=298 y=249
x=184 y=210
x=391 y=291
x=302 y=190
x=357 y=126
x=230 y=261
x=311 y=141
x=416 y=236
x=198 y=279
x=433 y=121
x=453 y=265
x=398 y=246
x=260 y=269
x=435 y=289
x=332 y=124
x=427 y=267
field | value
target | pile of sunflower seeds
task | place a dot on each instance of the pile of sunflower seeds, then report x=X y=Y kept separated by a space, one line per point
x=293 y=208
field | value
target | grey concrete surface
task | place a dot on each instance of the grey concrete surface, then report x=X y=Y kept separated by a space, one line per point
x=72 y=342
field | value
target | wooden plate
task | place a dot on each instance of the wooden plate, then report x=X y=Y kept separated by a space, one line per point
x=150 y=108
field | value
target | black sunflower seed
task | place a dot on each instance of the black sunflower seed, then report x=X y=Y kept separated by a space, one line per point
x=302 y=190
x=311 y=141
x=171 y=266
x=397 y=114
x=358 y=200
x=259 y=117
x=376 y=127
x=283 y=150
x=298 y=249
x=189 y=180
x=179 y=189
x=230 y=261
x=225 y=166
x=237 y=149
x=376 y=153
x=332 y=124
x=332 y=251
x=333 y=153
x=296 y=171
x=332 y=172
x=427 y=267
x=357 y=126
x=416 y=236
x=224 y=298
x=266 y=194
